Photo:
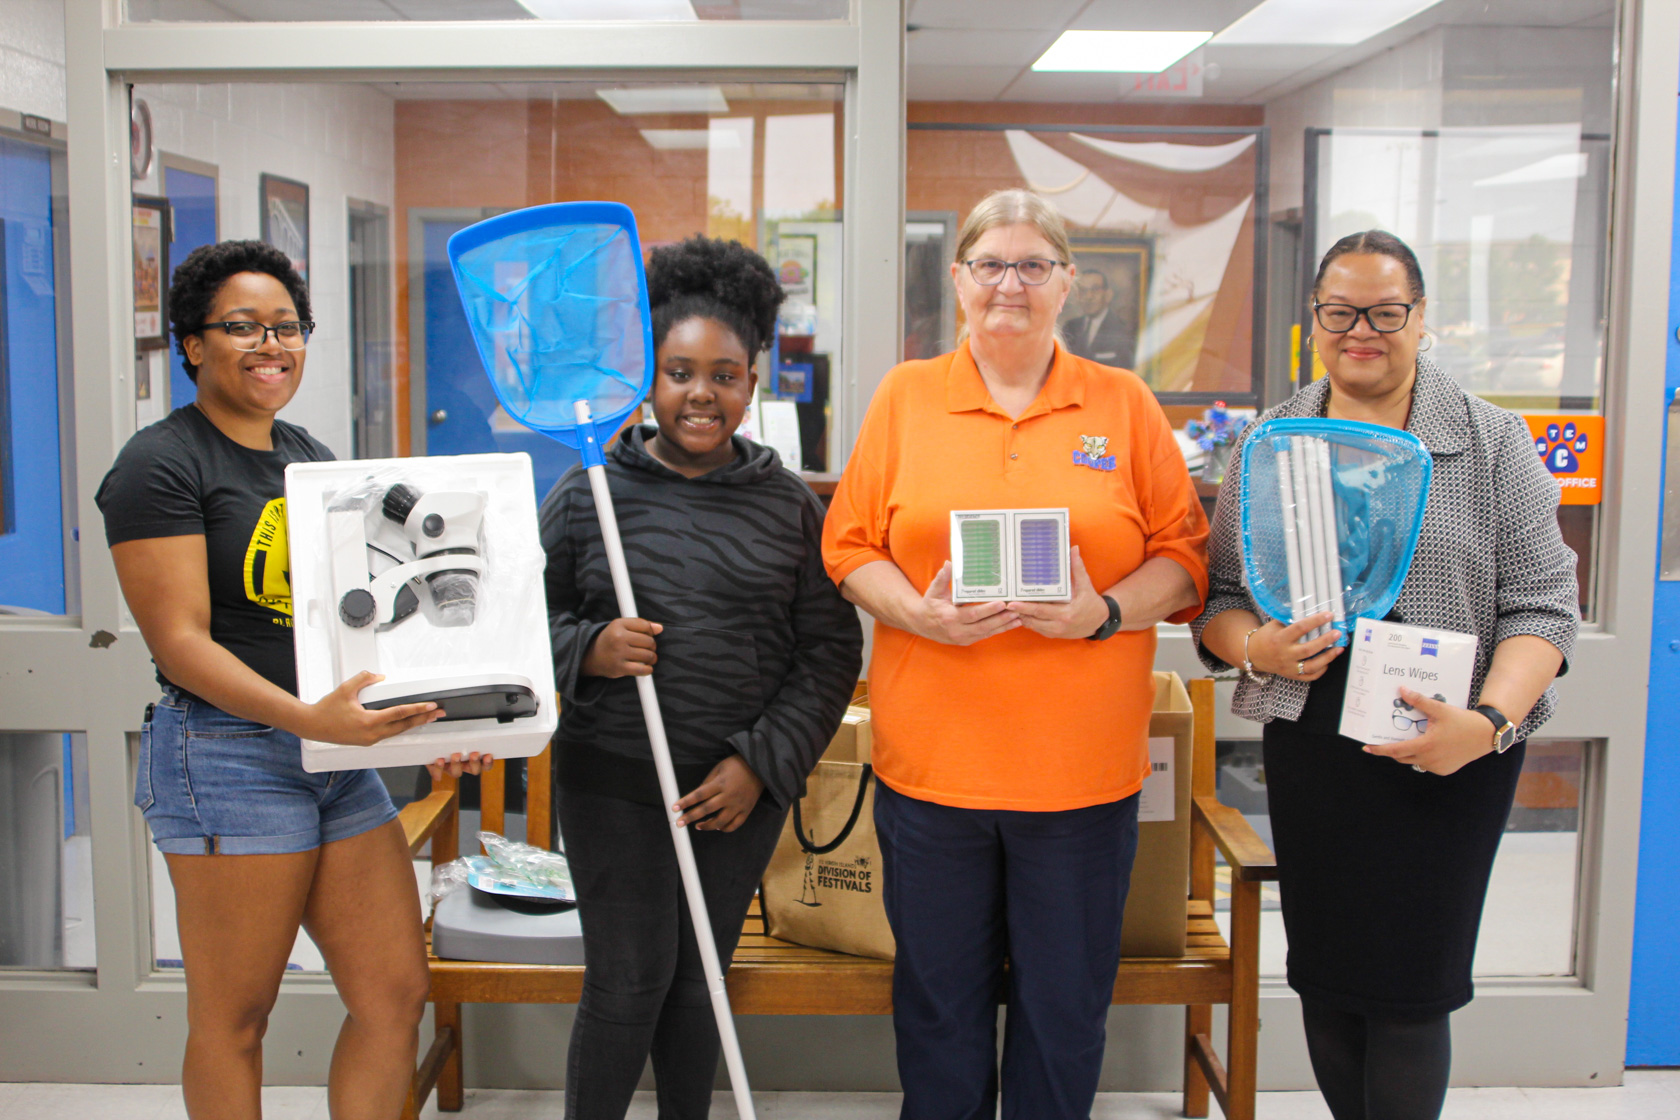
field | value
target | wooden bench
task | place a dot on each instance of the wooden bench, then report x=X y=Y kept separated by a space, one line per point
x=771 y=977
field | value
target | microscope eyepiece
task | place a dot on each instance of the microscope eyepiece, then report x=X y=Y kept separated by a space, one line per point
x=399 y=502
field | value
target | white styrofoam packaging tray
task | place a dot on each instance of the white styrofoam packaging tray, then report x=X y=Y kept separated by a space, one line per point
x=508 y=637
x=1388 y=656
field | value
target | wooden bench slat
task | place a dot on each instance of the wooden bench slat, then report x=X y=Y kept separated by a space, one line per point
x=774 y=977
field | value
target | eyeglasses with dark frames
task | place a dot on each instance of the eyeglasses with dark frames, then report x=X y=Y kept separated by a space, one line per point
x=246 y=335
x=1385 y=318
x=989 y=272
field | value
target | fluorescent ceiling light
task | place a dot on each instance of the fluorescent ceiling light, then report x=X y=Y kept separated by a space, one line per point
x=691 y=139
x=665 y=99
x=1119 y=52
x=1319 y=22
x=610 y=10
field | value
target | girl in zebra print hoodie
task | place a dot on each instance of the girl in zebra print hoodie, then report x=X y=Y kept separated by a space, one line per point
x=755 y=654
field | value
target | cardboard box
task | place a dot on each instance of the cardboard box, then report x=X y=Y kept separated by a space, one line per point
x=1155 y=908
x=1387 y=656
x=853 y=741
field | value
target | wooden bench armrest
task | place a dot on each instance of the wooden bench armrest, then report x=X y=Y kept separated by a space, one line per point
x=422 y=818
x=1251 y=861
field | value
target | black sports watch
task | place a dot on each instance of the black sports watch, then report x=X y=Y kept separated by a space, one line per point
x=1112 y=626
x=1504 y=732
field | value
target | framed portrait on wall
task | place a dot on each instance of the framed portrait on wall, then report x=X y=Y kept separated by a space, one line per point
x=151 y=272
x=1105 y=312
x=285 y=218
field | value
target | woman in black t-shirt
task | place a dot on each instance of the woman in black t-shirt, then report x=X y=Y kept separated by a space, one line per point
x=195 y=514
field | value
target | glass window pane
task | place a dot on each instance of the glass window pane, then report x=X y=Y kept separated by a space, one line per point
x=363 y=184
x=46 y=855
x=1495 y=168
x=34 y=345
x=1528 y=921
x=221 y=11
x=1163 y=226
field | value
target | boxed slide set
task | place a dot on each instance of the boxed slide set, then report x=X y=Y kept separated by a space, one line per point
x=1013 y=554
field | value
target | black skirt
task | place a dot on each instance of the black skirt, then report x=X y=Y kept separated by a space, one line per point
x=1382 y=870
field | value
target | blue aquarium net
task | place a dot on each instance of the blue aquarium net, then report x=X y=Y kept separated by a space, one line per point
x=1331 y=511
x=558 y=311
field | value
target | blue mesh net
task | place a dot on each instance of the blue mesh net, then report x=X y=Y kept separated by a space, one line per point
x=1330 y=516
x=557 y=302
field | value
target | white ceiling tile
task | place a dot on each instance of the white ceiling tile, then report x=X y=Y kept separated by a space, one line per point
x=930 y=47
x=1049 y=15
x=959 y=83
x=1153 y=15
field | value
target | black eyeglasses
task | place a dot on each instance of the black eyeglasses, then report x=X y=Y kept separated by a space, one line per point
x=246 y=335
x=988 y=272
x=1385 y=318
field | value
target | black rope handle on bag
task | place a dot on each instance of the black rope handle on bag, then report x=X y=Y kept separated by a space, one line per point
x=811 y=846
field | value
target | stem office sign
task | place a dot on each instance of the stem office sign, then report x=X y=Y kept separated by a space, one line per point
x=1572 y=447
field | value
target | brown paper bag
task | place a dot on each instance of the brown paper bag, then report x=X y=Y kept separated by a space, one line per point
x=823 y=885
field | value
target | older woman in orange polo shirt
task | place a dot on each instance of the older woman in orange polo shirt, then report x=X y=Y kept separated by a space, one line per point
x=1011 y=737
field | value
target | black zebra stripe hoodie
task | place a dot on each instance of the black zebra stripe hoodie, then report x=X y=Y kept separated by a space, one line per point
x=759 y=653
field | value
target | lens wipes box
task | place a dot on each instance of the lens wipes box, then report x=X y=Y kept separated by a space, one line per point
x=1388 y=656
x=1009 y=554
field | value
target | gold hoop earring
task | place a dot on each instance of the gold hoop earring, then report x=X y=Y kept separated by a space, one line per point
x=1427 y=344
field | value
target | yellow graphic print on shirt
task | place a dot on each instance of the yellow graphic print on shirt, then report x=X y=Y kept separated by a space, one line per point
x=268 y=576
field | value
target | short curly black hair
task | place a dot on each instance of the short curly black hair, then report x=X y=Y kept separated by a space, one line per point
x=720 y=280
x=198 y=278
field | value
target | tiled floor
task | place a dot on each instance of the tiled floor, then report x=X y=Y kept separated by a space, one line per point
x=1647 y=1095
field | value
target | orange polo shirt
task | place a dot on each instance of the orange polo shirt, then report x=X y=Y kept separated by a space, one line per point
x=1017 y=721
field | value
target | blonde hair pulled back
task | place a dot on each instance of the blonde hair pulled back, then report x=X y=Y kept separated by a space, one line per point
x=1013 y=207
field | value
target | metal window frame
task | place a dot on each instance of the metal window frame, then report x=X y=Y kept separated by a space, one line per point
x=90 y=672
x=1573 y=1031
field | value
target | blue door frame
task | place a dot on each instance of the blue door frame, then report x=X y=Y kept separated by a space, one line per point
x=462 y=414
x=32 y=534
x=192 y=205
x=1654 y=1005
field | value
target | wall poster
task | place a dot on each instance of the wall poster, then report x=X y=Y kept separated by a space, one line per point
x=285 y=218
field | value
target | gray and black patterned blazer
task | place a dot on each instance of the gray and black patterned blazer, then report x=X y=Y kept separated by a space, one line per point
x=1490 y=559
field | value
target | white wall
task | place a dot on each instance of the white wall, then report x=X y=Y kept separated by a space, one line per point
x=32 y=57
x=338 y=140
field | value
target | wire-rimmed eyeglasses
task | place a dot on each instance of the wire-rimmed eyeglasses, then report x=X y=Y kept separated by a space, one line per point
x=1385 y=318
x=246 y=335
x=988 y=272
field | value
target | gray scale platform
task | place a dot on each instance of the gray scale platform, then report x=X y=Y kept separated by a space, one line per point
x=469 y=925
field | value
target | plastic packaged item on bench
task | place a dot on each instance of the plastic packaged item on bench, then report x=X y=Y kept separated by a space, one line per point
x=1331 y=511
x=510 y=868
x=429 y=572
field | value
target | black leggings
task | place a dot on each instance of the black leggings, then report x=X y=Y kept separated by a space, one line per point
x=644 y=990
x=1378 y=1069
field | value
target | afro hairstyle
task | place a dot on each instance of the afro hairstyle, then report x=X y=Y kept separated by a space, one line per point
x=198 y=278
x=719 y=280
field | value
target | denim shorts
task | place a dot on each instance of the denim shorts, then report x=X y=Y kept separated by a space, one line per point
x=210 y=783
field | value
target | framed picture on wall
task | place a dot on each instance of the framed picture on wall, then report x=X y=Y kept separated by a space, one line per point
x=151 y=272
x=285 y=218
x=1104 y=315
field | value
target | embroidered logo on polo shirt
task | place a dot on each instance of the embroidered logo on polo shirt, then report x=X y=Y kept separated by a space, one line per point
x=1092 y=453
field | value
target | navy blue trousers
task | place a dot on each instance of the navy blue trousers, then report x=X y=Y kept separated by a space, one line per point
x=967 y=889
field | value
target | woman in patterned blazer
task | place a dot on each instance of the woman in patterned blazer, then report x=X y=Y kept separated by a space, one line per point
x=1384 y=852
